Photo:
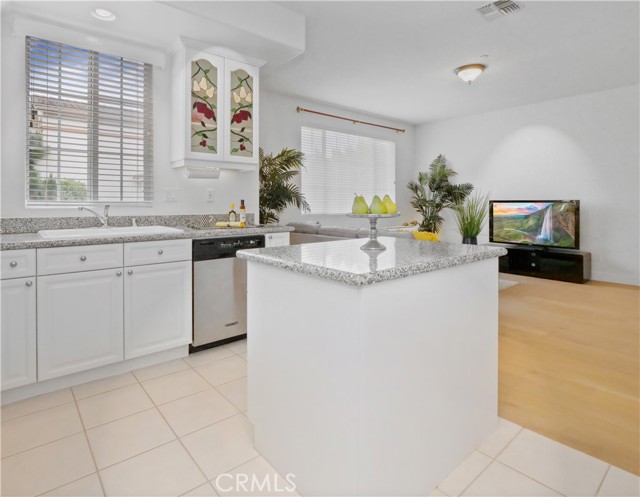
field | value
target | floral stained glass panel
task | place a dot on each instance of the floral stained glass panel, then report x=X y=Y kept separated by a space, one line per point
x=241 y=114
x=204 y=107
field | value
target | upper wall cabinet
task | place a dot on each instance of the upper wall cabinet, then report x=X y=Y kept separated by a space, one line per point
x=215 y=111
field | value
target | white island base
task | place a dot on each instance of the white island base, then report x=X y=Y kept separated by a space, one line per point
x=378 y=390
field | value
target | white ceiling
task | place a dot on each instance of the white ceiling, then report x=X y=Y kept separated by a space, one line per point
x=393 y=58
x=267 y=31
x=396 y=59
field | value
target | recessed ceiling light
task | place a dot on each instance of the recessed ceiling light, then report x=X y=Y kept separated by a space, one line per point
x=470 y=72
x=103 y=14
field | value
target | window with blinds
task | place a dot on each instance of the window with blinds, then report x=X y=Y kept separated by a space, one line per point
x=337 y=165
x=89 y=126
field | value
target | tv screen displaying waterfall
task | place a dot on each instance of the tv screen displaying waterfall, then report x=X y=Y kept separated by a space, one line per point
x=549 y=223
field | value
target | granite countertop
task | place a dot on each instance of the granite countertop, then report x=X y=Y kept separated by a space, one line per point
x=344 y=262
x=33 y=240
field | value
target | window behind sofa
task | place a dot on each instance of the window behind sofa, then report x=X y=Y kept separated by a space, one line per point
x=337 y=165
x=89 y=126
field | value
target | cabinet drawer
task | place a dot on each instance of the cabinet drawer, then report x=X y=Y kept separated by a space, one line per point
x=140 y=253
x=276 y=239
x=18 y=263
x=74 y=259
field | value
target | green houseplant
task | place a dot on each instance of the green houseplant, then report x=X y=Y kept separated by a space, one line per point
x=471 y=216
x=276 y=190
x=434 y=192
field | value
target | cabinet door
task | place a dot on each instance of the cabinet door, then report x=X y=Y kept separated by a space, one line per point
x=276 y=239
x=205 y=93
x=241 y=130
x=80 y=321
x=157 y=307
x=18 y=332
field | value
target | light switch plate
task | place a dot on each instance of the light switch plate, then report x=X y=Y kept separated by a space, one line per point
x=170 y=194
x=210 y=195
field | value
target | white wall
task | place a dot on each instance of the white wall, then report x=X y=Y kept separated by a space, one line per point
x=584 y=147
x=230 y=187
x=280 y=128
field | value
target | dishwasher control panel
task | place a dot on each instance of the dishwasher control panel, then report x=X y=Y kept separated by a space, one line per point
x=220 y=248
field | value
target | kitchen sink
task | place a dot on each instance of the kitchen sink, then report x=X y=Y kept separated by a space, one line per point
x=107 y=232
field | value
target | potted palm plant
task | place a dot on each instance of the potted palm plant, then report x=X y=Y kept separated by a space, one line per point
x=434 y=192
x=471 y=216
x=276 y=189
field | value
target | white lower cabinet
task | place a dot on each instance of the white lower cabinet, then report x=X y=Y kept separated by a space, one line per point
x=80 y=321
x=18 y=332
x=157 y=307
x=83 y=307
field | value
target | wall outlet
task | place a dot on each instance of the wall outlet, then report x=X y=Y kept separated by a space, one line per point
x=210 y=195
x=170 y=194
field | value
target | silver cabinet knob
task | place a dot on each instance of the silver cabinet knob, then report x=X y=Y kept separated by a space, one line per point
x=29 y=283
x=270 y=237
x=533 y=264
x=83 y=258
x=119 y=273
x=130 y=271
x=13 y=264
x=160 y=251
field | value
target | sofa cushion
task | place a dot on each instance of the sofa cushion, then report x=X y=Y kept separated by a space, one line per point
x=311 y=228
x=338 y=231
x=300 y=238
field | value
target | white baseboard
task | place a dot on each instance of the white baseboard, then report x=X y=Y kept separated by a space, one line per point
x=625 y=279
x=47 y=386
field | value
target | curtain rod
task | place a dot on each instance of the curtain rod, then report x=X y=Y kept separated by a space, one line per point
x=354 y=121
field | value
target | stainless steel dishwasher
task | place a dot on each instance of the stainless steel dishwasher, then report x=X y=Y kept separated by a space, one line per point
x=220 y=290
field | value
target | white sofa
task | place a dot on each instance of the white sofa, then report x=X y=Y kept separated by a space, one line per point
x=315 y=232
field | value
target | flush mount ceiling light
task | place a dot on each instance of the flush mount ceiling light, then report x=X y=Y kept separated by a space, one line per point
x=470 y=72
x=103 y=14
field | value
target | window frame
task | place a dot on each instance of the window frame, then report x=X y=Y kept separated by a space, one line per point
x=337 y=129
x=92 y=102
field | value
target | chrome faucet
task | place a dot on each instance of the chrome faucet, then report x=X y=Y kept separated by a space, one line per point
x=104 y=218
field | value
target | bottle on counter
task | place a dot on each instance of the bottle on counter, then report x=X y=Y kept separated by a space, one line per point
x=243 y=214
x=232 y=214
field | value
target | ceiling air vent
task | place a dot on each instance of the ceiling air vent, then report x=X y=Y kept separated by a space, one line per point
x=500 y=8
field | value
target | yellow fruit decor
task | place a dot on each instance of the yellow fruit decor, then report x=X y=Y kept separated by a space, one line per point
x=426 y=235
x=377 y=206
x=359 y=205
x=392 y=208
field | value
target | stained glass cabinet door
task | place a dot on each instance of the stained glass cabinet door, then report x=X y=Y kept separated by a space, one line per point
x=205 y=94
x=241 y=132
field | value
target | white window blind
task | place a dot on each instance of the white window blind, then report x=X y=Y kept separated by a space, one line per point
x=89 y=126
x=337 y=165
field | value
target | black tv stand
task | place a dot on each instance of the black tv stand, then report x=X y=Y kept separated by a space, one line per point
x=544 y=262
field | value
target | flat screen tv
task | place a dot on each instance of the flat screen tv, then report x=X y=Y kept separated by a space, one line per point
x=545 y=223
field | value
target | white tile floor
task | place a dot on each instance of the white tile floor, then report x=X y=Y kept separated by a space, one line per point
x=171 y=429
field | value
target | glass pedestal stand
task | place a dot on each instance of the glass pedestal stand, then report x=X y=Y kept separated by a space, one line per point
x=373 y=245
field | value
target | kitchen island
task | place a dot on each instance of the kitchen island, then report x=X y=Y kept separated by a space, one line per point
x=372 y=374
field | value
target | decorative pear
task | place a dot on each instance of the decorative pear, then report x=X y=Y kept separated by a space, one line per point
x=392 y=208
x=359 y=205
x=377 y=206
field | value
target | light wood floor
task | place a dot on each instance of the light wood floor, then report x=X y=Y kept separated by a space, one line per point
x=569 y=365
